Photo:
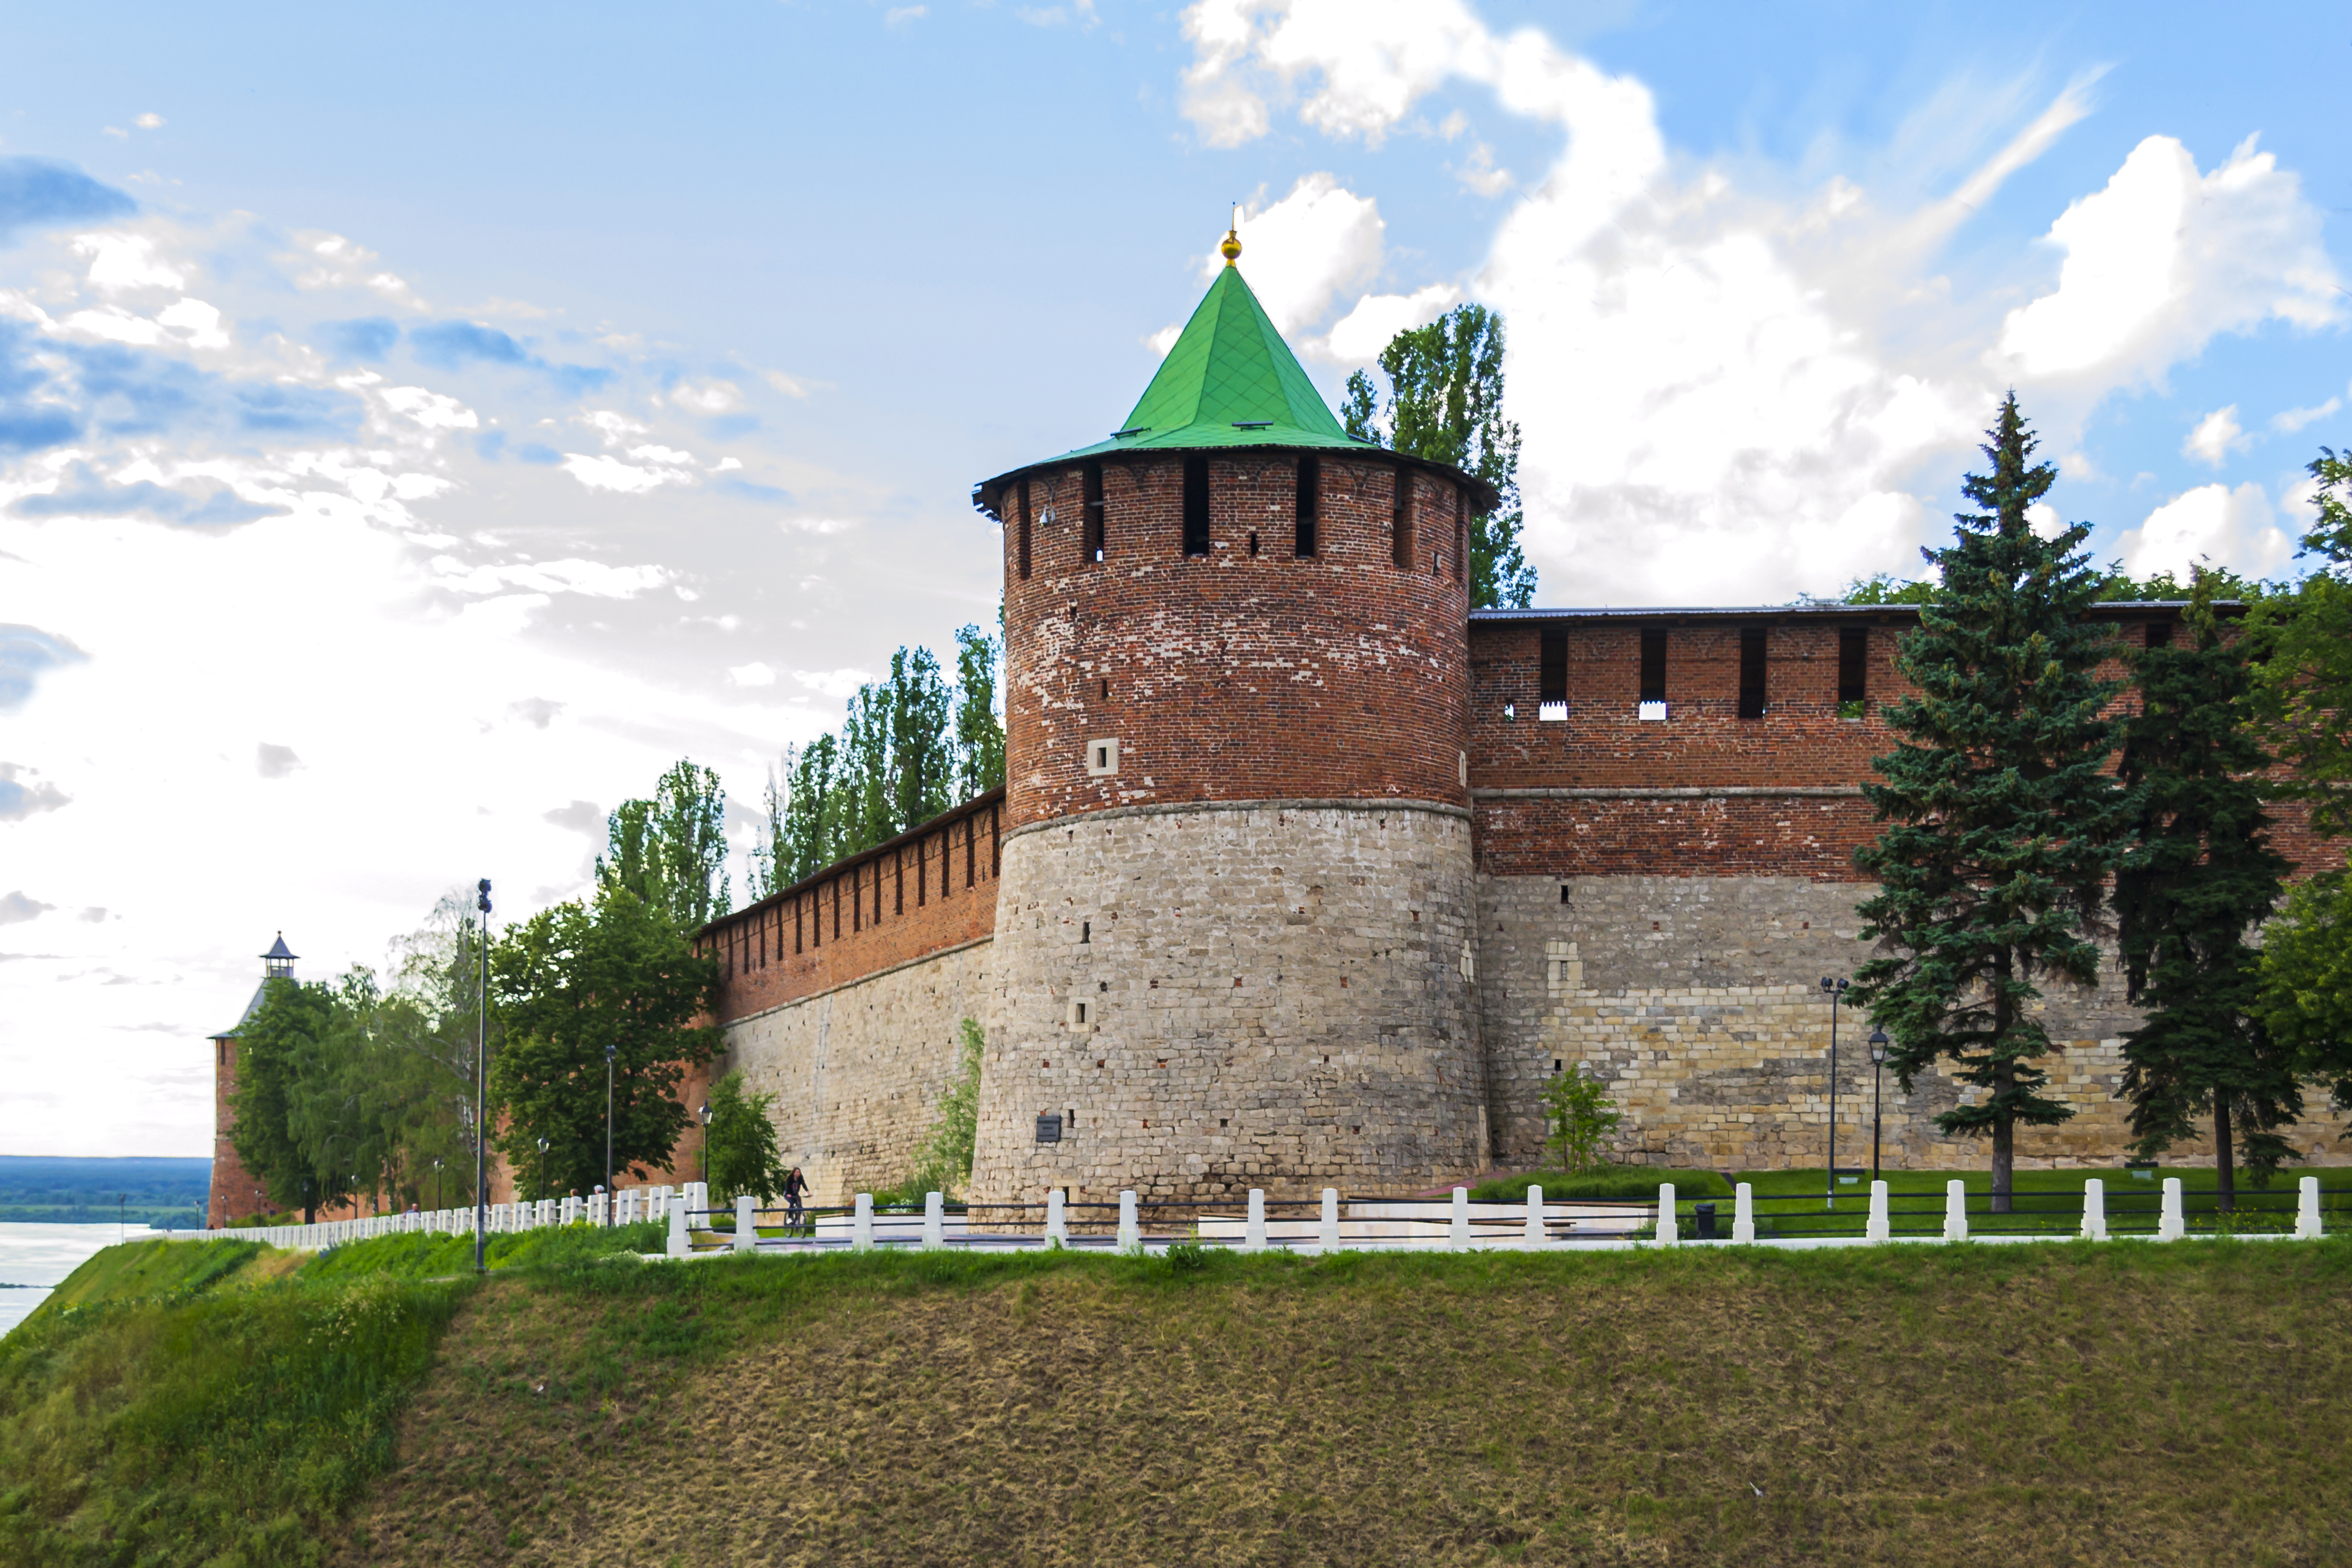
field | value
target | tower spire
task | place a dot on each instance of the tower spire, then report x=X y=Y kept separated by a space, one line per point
x=1232 y=247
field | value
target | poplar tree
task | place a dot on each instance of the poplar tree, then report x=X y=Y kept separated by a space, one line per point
x=2199 y=876
x=1445 y=405
x=671 y=851
x=980 y=734
x=2002 y=823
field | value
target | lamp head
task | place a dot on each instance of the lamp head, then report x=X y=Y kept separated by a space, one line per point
x=1878 y=1045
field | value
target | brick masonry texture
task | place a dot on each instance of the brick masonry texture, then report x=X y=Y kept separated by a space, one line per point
x=1697 y=999
x=1276 y=996
x=857 y=1071
x=1233 y=676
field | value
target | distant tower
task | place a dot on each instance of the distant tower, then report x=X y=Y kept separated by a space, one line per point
x=234 y=1190
x=1234 y=930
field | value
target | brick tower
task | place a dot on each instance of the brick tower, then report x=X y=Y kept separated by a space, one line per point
x=1234 y=940
x=235 y=1193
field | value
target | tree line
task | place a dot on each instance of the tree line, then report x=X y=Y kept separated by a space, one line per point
x=2031 y=811
x=363 y=1087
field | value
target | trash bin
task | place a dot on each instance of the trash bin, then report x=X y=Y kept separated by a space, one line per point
x=1705 y=1214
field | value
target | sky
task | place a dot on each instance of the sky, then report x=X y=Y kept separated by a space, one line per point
x=419 y=427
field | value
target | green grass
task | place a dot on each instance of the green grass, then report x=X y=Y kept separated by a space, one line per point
x=2048 y=1202
x=1618 y=1182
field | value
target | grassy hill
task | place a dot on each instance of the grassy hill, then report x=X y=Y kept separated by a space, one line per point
x=2057 y=1404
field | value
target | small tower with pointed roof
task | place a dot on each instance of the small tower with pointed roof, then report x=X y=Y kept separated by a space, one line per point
x=1234 y=932
x=234 y=1191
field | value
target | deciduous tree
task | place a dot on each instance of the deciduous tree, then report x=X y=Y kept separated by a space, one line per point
x=671 y=851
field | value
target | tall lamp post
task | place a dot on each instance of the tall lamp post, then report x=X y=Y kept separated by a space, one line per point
x=705 y=1114
x=482 y=1079
x=1877 y=1092
x=543 y=1170
x=608 y=1133
x=436 y=1181
x=1836 y=989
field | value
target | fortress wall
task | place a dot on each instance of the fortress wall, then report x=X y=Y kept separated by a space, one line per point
x=857 y=1069
x=1278 y=995
x=919 y=893
x=1698 y=1000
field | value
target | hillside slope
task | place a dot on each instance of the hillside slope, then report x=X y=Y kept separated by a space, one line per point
x=1922 y=1406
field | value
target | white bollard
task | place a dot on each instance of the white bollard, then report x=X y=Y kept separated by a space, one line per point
x=1533 y=1234
x=1327 y=1229
x=2094 y=1210
x=2306 y=1210
x=1057 y=1220
x=1130 y=1229
x=2172 y=1223
x=1457 y=1235
x=679 y=1246
x=1956 y=1211
x=1668 y=1231
x=1878 y=1228
x=861 y=1223
x=1743 y=1213
x=934 y=1220
x=1253 y=1228
x=747 y=1233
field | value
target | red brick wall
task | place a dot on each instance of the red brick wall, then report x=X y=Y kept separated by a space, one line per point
x=234 y=1191
x=925 y=890
x=1233 y=676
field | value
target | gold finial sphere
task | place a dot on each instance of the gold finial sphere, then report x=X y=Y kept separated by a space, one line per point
x=1232 y=247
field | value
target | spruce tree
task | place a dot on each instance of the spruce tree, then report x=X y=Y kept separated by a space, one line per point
x=2001 y=822
x=2201 y=875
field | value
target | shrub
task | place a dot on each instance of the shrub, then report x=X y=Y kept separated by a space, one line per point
x=1578 y=1117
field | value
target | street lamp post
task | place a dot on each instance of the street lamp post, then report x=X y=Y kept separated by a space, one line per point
x=543 y=1170
x=1836 y=989
x=705 y=1114
x=436 y=1182
x=608 y=1133
x=482 y=1078
x=1877 y=1092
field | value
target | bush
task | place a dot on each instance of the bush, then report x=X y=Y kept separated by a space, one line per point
x=1578 y=1118
x=1610 y=1182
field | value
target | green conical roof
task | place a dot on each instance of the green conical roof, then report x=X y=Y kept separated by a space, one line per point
x=1229 y=381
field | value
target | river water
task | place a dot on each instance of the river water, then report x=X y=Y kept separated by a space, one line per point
x=36 y=1258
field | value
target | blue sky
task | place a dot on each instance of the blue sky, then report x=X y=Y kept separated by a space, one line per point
x=418 y=427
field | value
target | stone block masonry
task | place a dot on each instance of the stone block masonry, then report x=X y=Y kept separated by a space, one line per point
x=1275 y=994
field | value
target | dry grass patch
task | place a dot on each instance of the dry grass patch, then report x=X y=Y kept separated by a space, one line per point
x=2017 y=1405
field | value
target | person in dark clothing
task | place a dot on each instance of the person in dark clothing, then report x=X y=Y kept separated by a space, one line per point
x=794 y=1186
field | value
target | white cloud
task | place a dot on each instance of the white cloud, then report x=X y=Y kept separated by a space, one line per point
x=123 y=261
x=432 y=410
x=16 y=908
x=2294 y=419
x=614 y=428
x=753 y=674
x=116 y=325
x=712 y=396
x=2044 y=520
x=276 y=761
x=1160 y=342
x=1304 y=249
x=904 y=15
x=593 y=579
x=2163 y=258
x=606 y=473
x=835 y=683
x=2213 y=524
x=1478 y=174
x=2215 y=435
x=791 y=387
x=199 y=322
x=1359 y=337
x=149 y=121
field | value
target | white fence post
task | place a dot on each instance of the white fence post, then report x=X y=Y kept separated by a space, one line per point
x=1057 y=1220
x=1533 y=1235
x=679 y=1246
x=1668 y=1232
x=2094 y=1210
x=2172 y=1223
x=2306 y=1209
x=934 y=1220
x=1743 y=1213
x=1327 y=1229
x=1457 y=1235
x=747 y=1234
x=861 y=1223
x=1878 y=1229
x=1130 y=1229
x=1956 y=1211
x=1253 y=1228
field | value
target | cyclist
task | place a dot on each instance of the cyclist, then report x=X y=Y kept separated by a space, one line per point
x=794 y=1186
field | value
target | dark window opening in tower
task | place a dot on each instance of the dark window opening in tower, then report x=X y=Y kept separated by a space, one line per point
x=2157 y=634
x=1654 y=664
x=1024 y=545
x=1400 y=524
x=1854 y=666
x=1196 y=506
x=1552 y=677
x=1751 y=672
x=1252 y=543
x=1091 y=546
x=1311 y=476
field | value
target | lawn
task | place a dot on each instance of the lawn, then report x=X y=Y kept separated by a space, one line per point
x=1791 y=1204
